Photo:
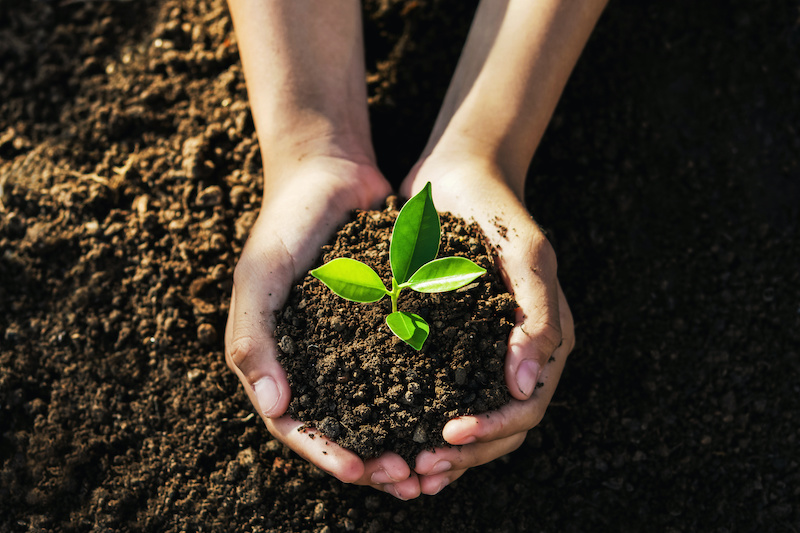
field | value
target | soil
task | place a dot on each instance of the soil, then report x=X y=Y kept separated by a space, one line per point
x=668 y=182
x=366 y=389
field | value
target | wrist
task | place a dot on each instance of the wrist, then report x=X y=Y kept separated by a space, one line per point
x=304 y=67
x=348 y=180
x=300 y=133
x=315 y=147
x=477 y=157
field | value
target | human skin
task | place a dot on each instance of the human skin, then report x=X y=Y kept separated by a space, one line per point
x=303 y=62
x=512 y=71
x=304 y=67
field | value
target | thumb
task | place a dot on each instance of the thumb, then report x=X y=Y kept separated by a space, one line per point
x=250 y=347
x=530 y=272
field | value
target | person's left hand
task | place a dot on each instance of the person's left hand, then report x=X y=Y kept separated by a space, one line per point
x=543 y=335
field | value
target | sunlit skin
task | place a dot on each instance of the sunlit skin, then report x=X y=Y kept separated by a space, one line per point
x=304 y=66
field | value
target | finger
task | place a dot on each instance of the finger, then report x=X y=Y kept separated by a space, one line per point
x=404 y=490
x=432 y=485
x=387 y=469
x=457 y=458
x=251 y=352
x=315 y=448
x=517 y=416
x=529 y=269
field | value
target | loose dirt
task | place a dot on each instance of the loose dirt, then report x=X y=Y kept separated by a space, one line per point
x=668 y=181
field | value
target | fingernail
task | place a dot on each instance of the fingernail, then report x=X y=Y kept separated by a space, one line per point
x=457 y=433
x=441 y=487
x=527 y=376
x=267 y=395
x=441 y=466
x=380 y=476
x=393 y=491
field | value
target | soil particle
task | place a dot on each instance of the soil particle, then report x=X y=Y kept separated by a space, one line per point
x=210 y=196
x=287 y=345
x=206 y=334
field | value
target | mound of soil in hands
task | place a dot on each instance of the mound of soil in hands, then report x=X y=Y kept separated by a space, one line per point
x=366 y=389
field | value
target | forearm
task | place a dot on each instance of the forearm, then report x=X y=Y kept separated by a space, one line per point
x=304 y=68
x=515 y=64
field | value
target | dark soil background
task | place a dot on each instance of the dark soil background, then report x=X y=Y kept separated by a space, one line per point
x=669 y=182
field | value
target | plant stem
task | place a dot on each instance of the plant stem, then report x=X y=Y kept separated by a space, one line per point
x=394 y=294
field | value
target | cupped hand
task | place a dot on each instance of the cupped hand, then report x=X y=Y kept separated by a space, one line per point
x=305 y=202
x=543 y=335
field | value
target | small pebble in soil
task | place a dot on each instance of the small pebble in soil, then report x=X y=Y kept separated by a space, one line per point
x=286 y=345
x=272 y=446
x=194 y=375
x=409 y=398
x=219 y=272
x=240 y=195
x=206 y=334
x=246 y=457
x=330 y=427
x=12 y=334
x=319 y=511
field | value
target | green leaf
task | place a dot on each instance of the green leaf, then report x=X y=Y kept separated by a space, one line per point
x=415 y=237
x=409 y=327
x=351 y=279
x=446 y=274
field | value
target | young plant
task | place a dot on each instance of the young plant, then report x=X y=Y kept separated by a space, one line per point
x=412 y=257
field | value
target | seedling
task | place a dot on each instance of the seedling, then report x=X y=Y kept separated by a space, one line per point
x=412 y=257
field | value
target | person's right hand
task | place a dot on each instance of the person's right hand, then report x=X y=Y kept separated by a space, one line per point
x=305 y=203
